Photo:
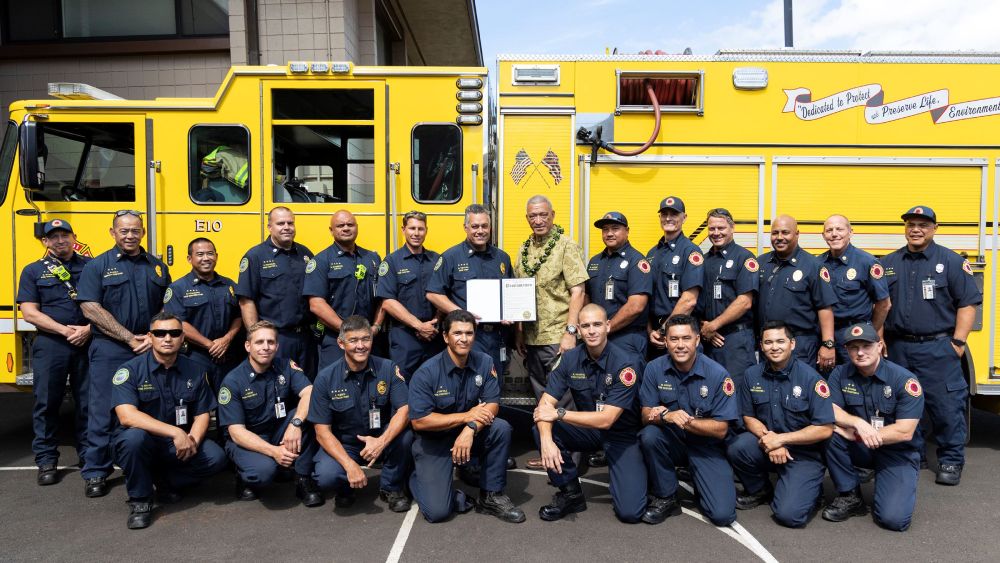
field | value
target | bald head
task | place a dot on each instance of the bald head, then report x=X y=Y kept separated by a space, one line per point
x=784 y=235
x=593 y=311
x=344 y=229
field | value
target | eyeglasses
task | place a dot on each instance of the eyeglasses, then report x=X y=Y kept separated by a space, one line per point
x=163 y=332
x=359 y=340
x=132 y=212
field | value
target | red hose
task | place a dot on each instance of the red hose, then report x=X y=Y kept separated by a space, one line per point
x=650 y=91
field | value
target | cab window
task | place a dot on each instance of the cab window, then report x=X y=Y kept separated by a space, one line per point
x=7 y=157
x=88 y=162
x=219 y=165
x=324 y=163
x=437 y=163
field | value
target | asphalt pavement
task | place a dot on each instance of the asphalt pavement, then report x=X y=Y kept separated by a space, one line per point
x=59 y=523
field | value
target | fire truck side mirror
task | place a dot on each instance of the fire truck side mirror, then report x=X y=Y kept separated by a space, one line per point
x=32 y=145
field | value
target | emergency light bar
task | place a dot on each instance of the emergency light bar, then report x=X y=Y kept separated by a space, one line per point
x=750 y=78
x=79 y=91
x=536 y=74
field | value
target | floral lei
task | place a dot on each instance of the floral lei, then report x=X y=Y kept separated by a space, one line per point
x=530 y=271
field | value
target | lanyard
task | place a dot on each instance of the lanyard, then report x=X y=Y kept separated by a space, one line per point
x=60 y=272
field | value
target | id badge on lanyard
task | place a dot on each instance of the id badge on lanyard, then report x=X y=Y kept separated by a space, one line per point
x=600 y=403
x=673 y=287
x=609 y=289
x=181 y=414
x=279 y=409
x=717 y=290
x=374 y=418
x=878 y=422
x=928 y=289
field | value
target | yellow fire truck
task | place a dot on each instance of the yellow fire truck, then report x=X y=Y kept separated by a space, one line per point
x=760 y=133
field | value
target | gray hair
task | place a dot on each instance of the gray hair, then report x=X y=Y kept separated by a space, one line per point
x=538 y=199
x=475 y=209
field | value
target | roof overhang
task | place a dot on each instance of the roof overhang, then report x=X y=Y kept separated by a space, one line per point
x=444 y=32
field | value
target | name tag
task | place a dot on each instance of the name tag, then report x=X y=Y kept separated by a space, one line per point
x=717 y=290
x=928 y=289
x=878 y=422
x=374 y=419
x=181 y=415
x=279 y=410
x=673 y=288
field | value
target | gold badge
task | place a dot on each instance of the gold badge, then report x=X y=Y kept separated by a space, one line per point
x=382 y=387
x=851 y=273
x=159 y=271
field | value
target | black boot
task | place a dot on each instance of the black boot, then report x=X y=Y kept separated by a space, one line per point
x=568 y=500
x=499 y=505
x=749 y=501
x=844 y=506
x=659 y=509
x=308 y=492
x=140 y=514
x=397 y=500
x=244 y=491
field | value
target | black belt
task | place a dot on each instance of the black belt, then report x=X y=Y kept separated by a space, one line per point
x=846 y=323
x=921 y=337
x=290 y=330
x=731 y=328
x=797 y=332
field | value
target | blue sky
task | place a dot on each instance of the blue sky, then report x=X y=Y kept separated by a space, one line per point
x=590 y=26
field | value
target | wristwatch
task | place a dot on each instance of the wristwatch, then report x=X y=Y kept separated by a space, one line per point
x=473 y=426
x=663 y=415
x=957 y=342
x=297 y=422
x=829 y=344
x=560 y=413
x=571 y=329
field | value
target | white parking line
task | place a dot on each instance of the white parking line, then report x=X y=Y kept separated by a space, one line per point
x=33 y=468
x=404 y=533
x=735 y=530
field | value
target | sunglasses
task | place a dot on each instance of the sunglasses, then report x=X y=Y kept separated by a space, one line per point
x=132 y=212
x=163 y=332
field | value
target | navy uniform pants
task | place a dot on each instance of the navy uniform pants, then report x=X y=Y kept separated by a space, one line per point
x=52 y=360
x=940 y=373
x=489 y=341
x=432 y=479
x=106 y=356
x=632 y=340
x=395 y=458
x=217 y=371
x=410 y=352
x=806 y=348
x=800 y=481
x=258 y=469
x=625 y=464
x=895 y=478
x=145 y=458
x=299 y=345
x=737 y=354
x=664 y=448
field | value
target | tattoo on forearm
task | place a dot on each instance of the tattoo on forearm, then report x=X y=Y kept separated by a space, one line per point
x=105 y=321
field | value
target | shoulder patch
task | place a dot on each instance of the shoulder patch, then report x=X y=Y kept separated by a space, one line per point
x=627 y=376
x=751 y=265
x=966 y=267
x=310 y=266
x=822 y=389
x=644 y=266
x=437 y=265
x=824 y=274
x=121 y=376
x=399 y=374
x=695 y=258
x=294 y=365
x=876 y=271
x=383 y=268
x=168 y=294
x=728 y=387
x=225 y=396
x=493 y=372
x=382 y=387
x=244 y=264
x=913 y=387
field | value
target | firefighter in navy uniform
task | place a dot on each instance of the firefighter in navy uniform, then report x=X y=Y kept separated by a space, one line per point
x=934 y=298
x=161 y=405
x=263 y=404
x=678 y=273
x=877 y=405
x=403 y=278
x=726 y=304
x=340 y=282
x=119 y=292
x=206 y=303
x=858 y=280
x=46 y=294
x=270 y=284
x=620 y=283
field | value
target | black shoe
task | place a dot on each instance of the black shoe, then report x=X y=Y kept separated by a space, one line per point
x=845 y=506
x=397 y=500
x=469 y=475
x=748 y=501
x=865 y=475
x=244 y=491
x=96 y=487
x=684 y=474
x=949 y=475
x=568 y=500
x=165 y=494
x=659 y=509
x=345 y=499
x=308 y=492
x=597 y=459
x=47 y=474
x=499 y=505
x=511 y=463
x=140 y=514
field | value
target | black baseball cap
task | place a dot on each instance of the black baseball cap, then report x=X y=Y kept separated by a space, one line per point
x=611 y=217
x=860 y=331
x=922 y=212
x=55 y=225
x=672 y=203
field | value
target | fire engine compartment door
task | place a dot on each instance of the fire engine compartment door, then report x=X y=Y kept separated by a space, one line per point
x=324 y=145
x=635 y=186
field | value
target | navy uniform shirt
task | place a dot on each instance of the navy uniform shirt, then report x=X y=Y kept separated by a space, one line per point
x=272 y=278
x=439 y=386
x=611 y=378
x=209 y=306
x=787 y=400
x=41 y=286
x=248 y=398
x=954 y=287
x=404 y=276
x=345 y=279
x=678 y=260
x=735 y=269
x=628 y=272
x=343 y=399
x=462 y=263
x=157 y=391
x=892 y=393
x=793 y=290
x=131 y=288
x=706 y=391
x=858 y=280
